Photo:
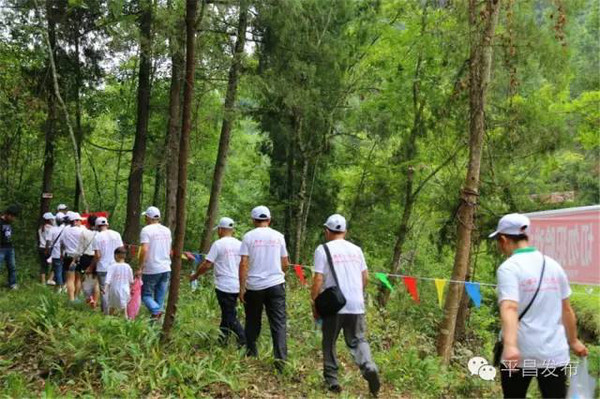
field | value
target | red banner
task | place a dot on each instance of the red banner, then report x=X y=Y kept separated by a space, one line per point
x=97 y=214
x=411 y=285
x=300 y=274
x=572 y=237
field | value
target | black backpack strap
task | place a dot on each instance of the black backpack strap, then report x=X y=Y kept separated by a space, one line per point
x=536 y=291
x=330 y=261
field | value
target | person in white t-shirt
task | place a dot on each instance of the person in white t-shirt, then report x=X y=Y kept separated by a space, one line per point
x=264 y=260
x=61 y=213
x=104 y=246
x=224 y=254
x=69 y=242
x=44 y=243
x=119 y=281
x=537 y=338
x=155 y=261
x=351 y=270
x=56 y=254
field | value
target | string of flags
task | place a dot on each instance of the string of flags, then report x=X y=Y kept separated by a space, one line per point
x=472 y=288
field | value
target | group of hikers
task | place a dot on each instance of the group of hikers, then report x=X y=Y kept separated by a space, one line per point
x=538 y=323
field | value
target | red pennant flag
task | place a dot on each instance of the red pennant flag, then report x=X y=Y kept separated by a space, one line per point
x=189 y=256
x=300 y=274
x=132 y=250
x=411 y=285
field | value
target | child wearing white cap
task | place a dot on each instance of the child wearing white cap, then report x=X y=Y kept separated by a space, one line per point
x=351 y=270
x=44 y=243
x=224 y=254
x=538 y=323
x=264 y=260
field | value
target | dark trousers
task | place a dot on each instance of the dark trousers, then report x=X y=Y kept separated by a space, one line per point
x=7 y=256
x=515 y=384
x=273 y=300
x=354 y=327
x=229 y=320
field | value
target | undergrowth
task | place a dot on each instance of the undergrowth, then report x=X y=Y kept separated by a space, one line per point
x=52 y=348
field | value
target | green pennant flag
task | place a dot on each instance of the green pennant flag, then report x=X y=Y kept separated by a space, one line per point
x=384 y=280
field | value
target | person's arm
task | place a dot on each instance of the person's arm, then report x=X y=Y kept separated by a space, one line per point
x=285 y=263
x=570 y=322
x=365 y=279
x=243 y=274
x=202 y=268
x=509 y=314
x=315 y=291
x=142 y=258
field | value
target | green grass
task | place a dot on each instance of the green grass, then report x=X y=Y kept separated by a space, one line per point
x=51 y=348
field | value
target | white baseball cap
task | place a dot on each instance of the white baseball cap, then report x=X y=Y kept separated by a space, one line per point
x=71 y=216
x=336 y=223
x=513 y=224
x=101 y=221
x=48 y=216
x=61 y=207
x=261 y=213
x=152 y=212
x=225 y=223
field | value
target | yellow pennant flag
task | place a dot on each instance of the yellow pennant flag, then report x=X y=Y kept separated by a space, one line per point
x=439 y=286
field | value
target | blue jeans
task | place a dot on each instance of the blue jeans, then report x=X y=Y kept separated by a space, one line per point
x=154 y=291
x=57 y=266
x=7 y=256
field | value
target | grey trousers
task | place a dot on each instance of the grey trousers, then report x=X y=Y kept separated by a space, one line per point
x=354 y=327
x=102 y=283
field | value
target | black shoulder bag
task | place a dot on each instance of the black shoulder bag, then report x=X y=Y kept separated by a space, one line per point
x=499 y=347
x=331 y=300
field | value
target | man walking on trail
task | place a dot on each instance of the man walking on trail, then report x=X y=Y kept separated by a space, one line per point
x=56 y=253
x=224 y=254
x=69 y=242
x=7 y=250
x=351 y=270
x=155 y=262
x=538 y=323
x=61 y=211
x=264 y=260
x=104 y=245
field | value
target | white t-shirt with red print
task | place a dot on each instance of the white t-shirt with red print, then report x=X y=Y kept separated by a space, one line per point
x=264 y=247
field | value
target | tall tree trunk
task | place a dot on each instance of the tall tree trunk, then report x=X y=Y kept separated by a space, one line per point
x=483 y=27
x=176 y=48
x=50 y=127
x=300 y=210
x=136 y=174
x=401 y=235
x=289 y=184
x=186 y=127
x=78 y=130
x=228 y=119
x=62 y=105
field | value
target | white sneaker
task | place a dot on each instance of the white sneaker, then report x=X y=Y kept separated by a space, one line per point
x=14 y=287
x=51 y=282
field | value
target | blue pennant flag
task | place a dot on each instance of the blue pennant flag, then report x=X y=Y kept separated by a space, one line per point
x=473 y=292
x=198 y=258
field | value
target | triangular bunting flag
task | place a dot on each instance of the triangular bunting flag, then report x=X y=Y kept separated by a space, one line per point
x=300 y=274
x=183 y=257
x=189 y=256
x=411 y=286
x=132 y=250
x=384 y=280
x=439 y=286
x=197 y=258
x=473 y=292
